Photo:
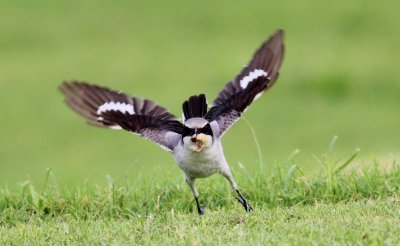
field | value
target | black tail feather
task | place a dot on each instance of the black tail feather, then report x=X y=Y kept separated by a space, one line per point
x=195 y=106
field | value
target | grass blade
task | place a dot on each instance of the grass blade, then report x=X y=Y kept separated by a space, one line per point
x=332 y=144
x=347 y=162
x=289 y=176
x=259 y=153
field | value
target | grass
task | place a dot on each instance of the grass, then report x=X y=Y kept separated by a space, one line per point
x=339 y=77
x=362 y=222
x=339 y=204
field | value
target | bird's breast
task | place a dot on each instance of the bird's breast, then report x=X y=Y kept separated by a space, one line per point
x=199 y=164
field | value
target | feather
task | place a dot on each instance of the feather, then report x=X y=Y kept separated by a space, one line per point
x=195 y=107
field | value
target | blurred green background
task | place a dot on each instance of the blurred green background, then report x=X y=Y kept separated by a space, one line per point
x=340 y=76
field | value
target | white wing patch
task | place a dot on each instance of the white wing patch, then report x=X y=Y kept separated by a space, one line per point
x=115 y=127
x=121 y=107
x=244 y=82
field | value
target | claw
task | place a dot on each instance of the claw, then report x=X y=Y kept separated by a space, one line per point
x=248 y=207
x=244 y=202
x=201 y=209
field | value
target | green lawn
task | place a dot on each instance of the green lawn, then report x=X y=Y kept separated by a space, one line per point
x=358 y=206
x=339 y=77
x=362 y=222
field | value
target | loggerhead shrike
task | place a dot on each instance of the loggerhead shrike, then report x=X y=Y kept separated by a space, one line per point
x=196 y=142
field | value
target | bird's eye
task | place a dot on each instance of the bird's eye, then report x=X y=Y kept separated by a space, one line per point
x=206 y=130
x=187 y=131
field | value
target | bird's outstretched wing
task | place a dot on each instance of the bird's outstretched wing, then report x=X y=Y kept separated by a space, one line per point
x=259 y=75
x=110 y=109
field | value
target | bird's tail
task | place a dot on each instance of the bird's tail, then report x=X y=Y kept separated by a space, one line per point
x=195 y=106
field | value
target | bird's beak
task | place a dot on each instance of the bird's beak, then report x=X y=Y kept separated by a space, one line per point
x=199 y=142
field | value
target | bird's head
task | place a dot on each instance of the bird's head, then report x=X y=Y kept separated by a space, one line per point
x=197 y=134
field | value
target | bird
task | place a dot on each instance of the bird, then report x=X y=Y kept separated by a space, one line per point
x=195 y=141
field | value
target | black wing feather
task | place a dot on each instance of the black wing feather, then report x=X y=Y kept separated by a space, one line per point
x=260 y=74
x=140 y=116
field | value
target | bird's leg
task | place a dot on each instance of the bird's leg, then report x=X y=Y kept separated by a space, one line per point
x=244 y=202
x=227 y=174
x=200 y=207
x=191 y=182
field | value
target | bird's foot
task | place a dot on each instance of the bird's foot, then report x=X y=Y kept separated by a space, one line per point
x=200 y=209
x=245 y=204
